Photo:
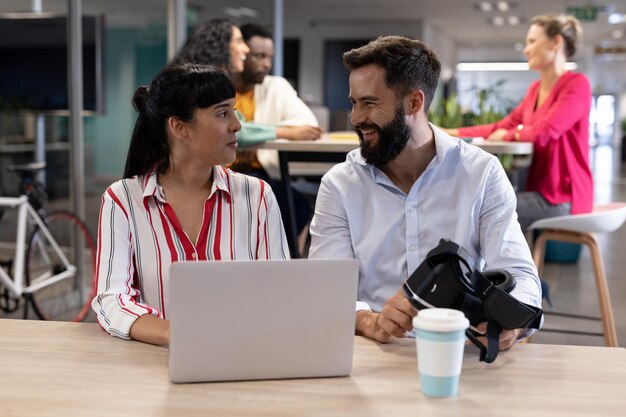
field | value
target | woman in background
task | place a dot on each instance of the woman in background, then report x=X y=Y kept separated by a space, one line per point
x=177 y=202
x=554 y=115
x=219 y=42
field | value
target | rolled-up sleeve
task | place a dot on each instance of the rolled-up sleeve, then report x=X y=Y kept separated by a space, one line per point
x=116 y=302
x=502 y=242
x=272 y=237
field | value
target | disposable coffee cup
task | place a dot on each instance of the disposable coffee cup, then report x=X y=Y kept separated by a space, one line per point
x=440 y=339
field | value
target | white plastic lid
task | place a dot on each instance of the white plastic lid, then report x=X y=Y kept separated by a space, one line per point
x=440 y=320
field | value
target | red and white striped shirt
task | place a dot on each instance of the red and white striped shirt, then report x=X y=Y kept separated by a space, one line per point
x=139 y=237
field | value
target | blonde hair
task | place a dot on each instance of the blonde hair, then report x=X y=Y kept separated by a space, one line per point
x=561 y=24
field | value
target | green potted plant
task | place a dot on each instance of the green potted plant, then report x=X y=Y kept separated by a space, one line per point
x=447 y=112
x=489 y=104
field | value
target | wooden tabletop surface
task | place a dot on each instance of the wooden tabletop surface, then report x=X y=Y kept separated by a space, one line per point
x=70 y=369
x=346 y=145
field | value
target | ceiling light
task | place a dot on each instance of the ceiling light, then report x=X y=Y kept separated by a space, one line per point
x=485 y=6
x=508 y=20
x=492 y=66
x=513 y=20
x=248 y=12
x=27 y=15
x=501 y=66
x=617 y=18
x=503 y=6
x=240 y=12
x=497 y=21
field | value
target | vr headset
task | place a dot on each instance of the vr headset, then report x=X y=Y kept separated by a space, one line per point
x=447 y=278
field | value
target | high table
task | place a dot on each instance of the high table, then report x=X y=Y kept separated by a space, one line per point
x=75 y=369
x=335 y=150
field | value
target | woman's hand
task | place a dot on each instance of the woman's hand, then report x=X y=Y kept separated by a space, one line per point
x=299 y=132
x=151 y=329
x=498 y=134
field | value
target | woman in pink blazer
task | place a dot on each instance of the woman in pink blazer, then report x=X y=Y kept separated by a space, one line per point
x=554 y=115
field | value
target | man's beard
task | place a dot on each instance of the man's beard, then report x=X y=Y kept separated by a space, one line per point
x=253 y=77
x=392 y=139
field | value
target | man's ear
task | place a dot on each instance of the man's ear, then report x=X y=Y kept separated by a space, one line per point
x=415 y=101
x=177 y=127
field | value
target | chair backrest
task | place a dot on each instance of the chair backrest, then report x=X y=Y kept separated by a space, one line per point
x=604 y=218
x=322 y=114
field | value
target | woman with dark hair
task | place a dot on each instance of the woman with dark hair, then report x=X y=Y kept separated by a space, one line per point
x=177 y=202
x=219 y=42
x=554 y=115
x=216 y=42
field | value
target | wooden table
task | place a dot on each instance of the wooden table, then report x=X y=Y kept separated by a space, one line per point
x=346 y=145
x=75 y=369
x=334 y=151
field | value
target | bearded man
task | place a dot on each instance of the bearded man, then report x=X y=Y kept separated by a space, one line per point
x=270 y=100
x=408 y=186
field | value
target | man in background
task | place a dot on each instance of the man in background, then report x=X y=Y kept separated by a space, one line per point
x=269 y=99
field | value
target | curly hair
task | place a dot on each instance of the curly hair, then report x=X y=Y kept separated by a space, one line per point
x=208 y=45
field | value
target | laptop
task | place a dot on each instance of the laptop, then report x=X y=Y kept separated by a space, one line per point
x=247 y=320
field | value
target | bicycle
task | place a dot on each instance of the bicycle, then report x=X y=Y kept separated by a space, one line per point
x=54 y=273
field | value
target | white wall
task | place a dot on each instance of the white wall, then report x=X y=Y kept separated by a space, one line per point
x=516 y=82
x=603 y=73
x=313 y=36
x=443 y=46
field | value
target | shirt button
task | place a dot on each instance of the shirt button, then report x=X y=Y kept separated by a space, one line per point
x=412 y=248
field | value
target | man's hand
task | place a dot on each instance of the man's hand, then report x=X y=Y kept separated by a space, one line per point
x=498 y=134
x=507 y=337
x=299 y=132
x=395 y=319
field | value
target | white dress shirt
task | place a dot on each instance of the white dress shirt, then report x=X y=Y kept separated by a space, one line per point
x=277 y=103
x=463 y=195
x=139 y=237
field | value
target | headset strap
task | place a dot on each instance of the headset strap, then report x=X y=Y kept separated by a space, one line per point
x=490 y=352
x=493 y=342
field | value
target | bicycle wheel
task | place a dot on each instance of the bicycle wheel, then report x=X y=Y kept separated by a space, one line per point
x=68 y=299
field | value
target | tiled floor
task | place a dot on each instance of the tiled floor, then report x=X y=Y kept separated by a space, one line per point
x=572 y=285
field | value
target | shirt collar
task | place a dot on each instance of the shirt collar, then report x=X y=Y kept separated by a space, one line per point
x=153 y=189
x=443 y=143
x=220 y=179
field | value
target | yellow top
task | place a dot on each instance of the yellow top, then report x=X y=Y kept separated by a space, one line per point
x=244 y=103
